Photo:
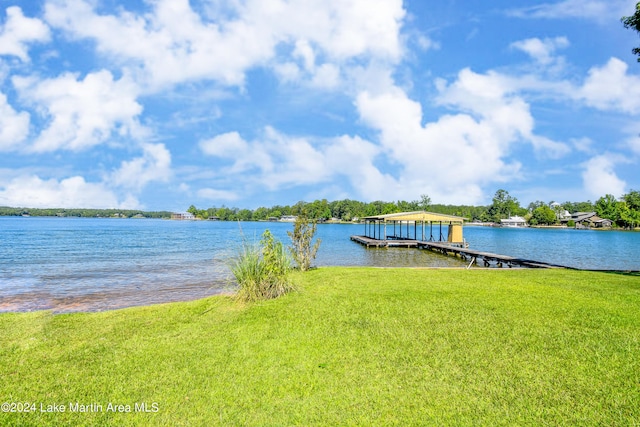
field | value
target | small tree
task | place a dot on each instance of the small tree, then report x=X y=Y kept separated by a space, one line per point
x=302 y=248
x=425 y=202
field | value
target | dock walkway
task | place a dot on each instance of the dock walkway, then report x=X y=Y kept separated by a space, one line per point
x=472 y=255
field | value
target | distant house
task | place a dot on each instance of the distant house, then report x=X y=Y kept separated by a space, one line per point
x=513 y=221
x=288 y=218
x=588 y=220
x=183 y=216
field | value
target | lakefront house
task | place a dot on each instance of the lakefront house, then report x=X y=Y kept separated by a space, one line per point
x=513 y=221
x=587 y=220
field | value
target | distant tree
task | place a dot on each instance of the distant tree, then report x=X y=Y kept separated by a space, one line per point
x=574 y=207
x=544 y=215
x=260 y=214
x=244 y=215
x=606 y=207
x=425 y=202
x=375 y=208
x=503 y=206
x=535 y=205
x=633 y=22
x=631 y=216
x=633 y=199
x=193 y=210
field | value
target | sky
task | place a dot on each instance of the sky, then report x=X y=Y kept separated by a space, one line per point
x=161 y=104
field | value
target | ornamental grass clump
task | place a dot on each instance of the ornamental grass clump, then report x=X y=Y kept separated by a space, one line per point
x=262 y=270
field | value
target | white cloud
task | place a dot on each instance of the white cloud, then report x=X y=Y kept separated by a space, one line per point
x=599 y=176
x=74 y=192
x=154 y=165
x=449 y=159
x=491 y=97
x=232 y=146
x=18 y=31
x=14 y=126
x=354 y=158
x=304 y=50
x=81 y=113
x=541 y=50
x=610 y=88
x=453 y=157
x=281 y=161
x=172 y=44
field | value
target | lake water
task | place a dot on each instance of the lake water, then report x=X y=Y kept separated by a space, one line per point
x=79 y=264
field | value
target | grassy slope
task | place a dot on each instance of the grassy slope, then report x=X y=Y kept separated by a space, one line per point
x=353 y=347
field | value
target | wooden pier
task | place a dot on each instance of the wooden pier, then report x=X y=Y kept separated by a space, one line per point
x=395 y=243
x=402 y=230
x=445 y=248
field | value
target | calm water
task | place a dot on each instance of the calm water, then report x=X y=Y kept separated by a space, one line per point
x=71 y=264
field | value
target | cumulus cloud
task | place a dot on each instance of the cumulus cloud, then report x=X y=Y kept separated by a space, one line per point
x=154 y=165
x=14 y=126
x=245 y=156
x=610 y=88
x=19 y=31
x=493 y=98
x=599 y=176
x=74 y=192
x=450 y=159
x=281 y=161
x=453 y=157
x=173 y=44
x=81 y=113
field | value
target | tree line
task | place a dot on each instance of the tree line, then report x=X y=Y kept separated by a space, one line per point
x=83 y=213
x=623 y=212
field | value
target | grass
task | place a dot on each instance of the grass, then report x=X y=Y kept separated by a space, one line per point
x=355 y=346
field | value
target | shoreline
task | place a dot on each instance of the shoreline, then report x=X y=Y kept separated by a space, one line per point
x=70 y=305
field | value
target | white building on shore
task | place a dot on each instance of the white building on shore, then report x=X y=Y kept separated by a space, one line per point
x=513 y=221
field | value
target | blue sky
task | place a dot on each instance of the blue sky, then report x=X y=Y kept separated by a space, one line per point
x=162 y=104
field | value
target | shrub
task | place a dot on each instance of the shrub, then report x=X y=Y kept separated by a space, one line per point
x=571 y=223
x=302 y=248
x=262 y=270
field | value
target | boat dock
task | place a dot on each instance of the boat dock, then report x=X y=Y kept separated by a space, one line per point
x=416 y=230
x=473 y=256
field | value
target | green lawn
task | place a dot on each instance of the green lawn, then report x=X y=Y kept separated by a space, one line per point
x=354 y=346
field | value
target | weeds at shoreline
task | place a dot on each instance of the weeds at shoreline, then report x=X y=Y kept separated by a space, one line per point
x=262 y=270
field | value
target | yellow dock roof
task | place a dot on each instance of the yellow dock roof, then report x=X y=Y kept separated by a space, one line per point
x=416 y=216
